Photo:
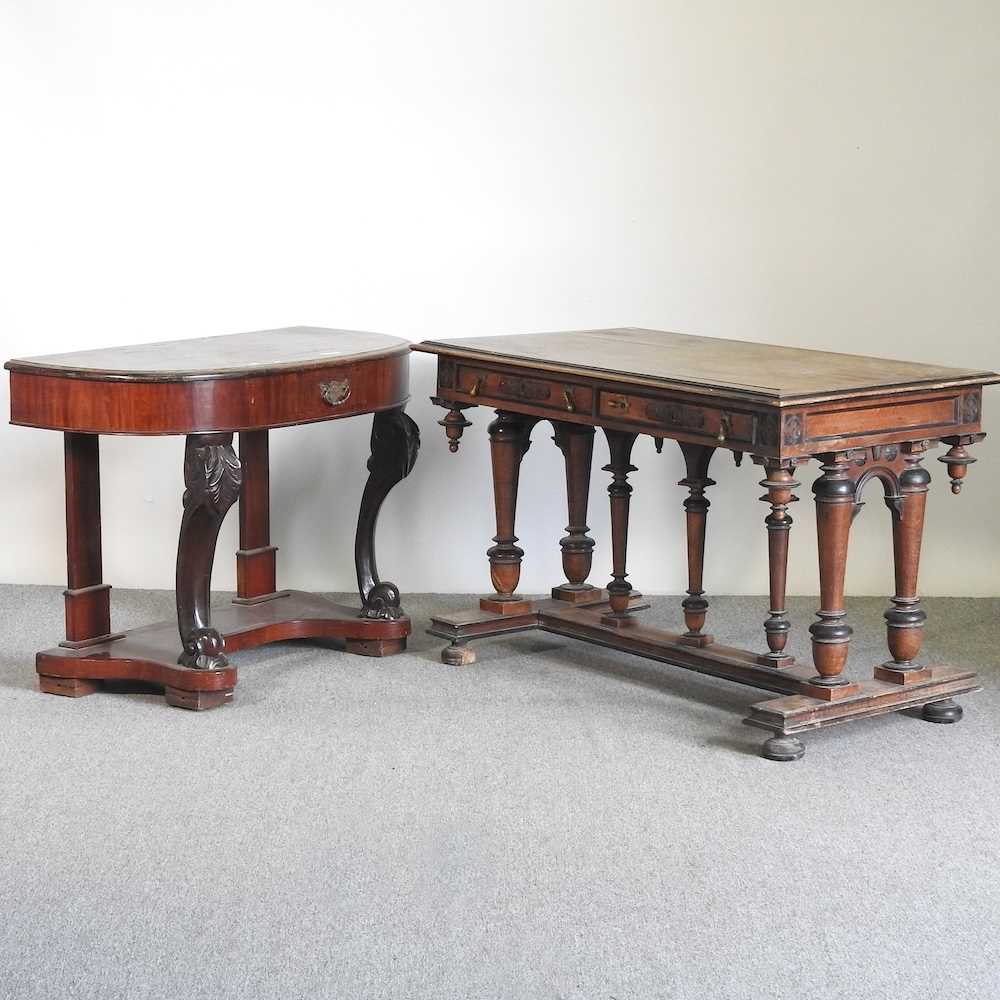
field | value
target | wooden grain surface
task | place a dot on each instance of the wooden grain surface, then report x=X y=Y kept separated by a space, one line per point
x=767 y=370
x=259 y=352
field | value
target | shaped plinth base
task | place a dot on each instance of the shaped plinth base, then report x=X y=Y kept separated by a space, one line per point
x=149 y=654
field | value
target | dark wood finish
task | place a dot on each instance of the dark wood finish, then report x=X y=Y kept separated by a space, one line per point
x=862 y=418
x=208 y=389
x=696 y=460
x=576 y=442
x=620 y=492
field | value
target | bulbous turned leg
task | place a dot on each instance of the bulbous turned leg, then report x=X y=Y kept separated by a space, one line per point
x=696 y=460
x=510 y=438
x=212 y=475
x=831 y=635
x=944 y=712
x=395 y=442
x=905 y=618
x=619 y=589
x=783 y=748
x=576 y=442
x=780 y=485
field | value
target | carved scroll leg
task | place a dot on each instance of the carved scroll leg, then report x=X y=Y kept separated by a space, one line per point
x=780 y=485
x=831 y=635
x=620 y=445
x=905 y=619
x=509 y=441
x=394 y=445
x=256 y=574
x=576 y=442
x=696 y=461
x=212 y=475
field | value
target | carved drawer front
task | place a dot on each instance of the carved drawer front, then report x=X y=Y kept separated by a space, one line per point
x=669 y=416
x=545 y=393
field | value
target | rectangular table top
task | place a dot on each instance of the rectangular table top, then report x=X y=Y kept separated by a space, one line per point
x=761 y=370
x=229 y=354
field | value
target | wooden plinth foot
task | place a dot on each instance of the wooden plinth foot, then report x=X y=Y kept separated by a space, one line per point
x=892 y=674
x=196 y=701
x=944 y=712
x=68 y=687
x=585 y=594
x=458 y=655
x=375 y=647
x=783 y=748
x=513 y=605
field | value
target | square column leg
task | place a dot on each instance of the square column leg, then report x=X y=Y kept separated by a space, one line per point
x=256 y=570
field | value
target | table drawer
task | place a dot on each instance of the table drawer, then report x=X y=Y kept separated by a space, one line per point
x=548 y=394
x=656 y=414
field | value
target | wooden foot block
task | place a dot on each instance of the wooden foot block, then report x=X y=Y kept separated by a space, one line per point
x=619 y=621
x=891 y=674
x=513 y=605
x=458 y=656
x=699 y=640
x=68 y=687
x=375 y=647
x=778 y=662
x=197 y=701
x=585 y=594
x=824 y=693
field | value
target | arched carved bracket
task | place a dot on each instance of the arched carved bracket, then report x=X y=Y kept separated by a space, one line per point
x=395 y=442
x=212 y=477
x=895 y=466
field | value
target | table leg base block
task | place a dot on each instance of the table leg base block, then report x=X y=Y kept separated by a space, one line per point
x=893 y=675
x=831 y=692
x=67 y=687
x=783 y=748
x=149 y=654
x=514 y=605
x=782 y=660
x=576 y=595
x=699 y=640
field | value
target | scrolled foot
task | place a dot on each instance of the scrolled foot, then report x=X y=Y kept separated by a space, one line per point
x=204 y=650
x=458 y=655
x=944 y=712
x=783 y=748
x=382 y=602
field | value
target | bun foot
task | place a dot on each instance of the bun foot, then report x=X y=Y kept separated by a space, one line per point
x=458 y=655
x=783 y=748
x=942 y=711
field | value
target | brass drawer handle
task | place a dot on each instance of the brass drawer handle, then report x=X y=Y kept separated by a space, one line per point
x=335 y=392
x=570 y=402
x=621 y=403
x=476 y=386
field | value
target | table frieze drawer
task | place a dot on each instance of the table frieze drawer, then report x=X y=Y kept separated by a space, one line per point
x=666 y=415
x=549 y=394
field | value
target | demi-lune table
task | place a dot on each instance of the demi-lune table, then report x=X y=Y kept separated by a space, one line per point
x=861 y=418
x=208 y=389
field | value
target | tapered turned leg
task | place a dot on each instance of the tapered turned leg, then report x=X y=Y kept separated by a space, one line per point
x=576 y=442
x=780 y=485
x=212 y=476
x=831 y=635
x=696 y=461
x=619 y=589
x=509 y=440
x=256 y=577
x=905 y=619
x=395 y=442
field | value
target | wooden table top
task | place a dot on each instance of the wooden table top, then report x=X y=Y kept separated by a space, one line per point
x=761 y=370
x=230 y=355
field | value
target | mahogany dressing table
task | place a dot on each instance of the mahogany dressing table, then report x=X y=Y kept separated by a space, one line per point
x=863 y=419
x=208 y=389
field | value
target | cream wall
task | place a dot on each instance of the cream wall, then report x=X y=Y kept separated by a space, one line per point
x=821 y=175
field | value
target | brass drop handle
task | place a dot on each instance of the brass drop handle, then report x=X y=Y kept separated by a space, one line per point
x=725 y=427
x=335 y=392
x=477 y=385
x=570 y=402
x=621 y=403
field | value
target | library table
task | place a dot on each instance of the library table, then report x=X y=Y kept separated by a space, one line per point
x=207 y=389
x=861 y=418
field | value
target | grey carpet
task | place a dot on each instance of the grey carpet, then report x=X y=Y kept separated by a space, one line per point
x=556 y=821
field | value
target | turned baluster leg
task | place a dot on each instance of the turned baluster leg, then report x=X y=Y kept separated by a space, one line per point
x=212 y=477
x=395 y=442
x=509 y=440
x=696 y=460
x=780 y=485
x=256 y=572
x=576 y=442
x=619 y=589
x=831 y=635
